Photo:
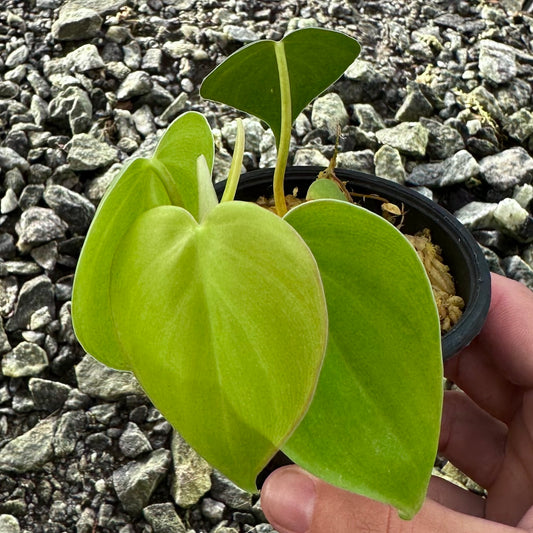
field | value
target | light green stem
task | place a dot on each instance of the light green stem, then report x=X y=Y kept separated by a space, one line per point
x=285 y=130
x=236 y=165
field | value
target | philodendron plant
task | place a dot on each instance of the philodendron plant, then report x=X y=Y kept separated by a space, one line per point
x=313 y=331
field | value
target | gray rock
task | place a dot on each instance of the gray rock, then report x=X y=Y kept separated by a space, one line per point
x=5 y=346
x=136 y=84
x=118 y=34
x=8 y=295
x=523 y=194
x=33 y=296
x=26 y=359
x=39 y=109
x=10 y=159
x=329 y=113
x=163 y=518
x=76 y=23
x=132 y=55
x=9 y=524
x=362 y=160
x=262 y=528
x=73 y=105
x=17 y=56
x=213 y=510
x=86 y=521
x=496 y=64
x=31 y=196
x=87 y=153
x=133 y=441
x=519 y=125
x=493 y=260
x=361 y=82
x=40 y=86
x=414 y=106
x=507 y=169
x=152 y=60
x=443 y=140
x=99 y=381
x=516 y=268
x=9 y=202
x=459 y=168
x=70 y=206
x=45 y=256
x=514 y=220
x=31 y=450
x=310 y=157
x=118 y=70
x=135 y=482
x=48 y=395
x=477 y=215
x=8 y=89
x=85 y=58
x=40 y=318
x=191 y=474
x=226 y=491
x=143 y=119
x=388 y=164
x=368 y=118
x=240 y=33
x=409 y=138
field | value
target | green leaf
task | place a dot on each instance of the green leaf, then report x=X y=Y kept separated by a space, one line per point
x=374 y=422
x=188 y=137
x=225 y=326
x=169 y=177
x=249 y=80
x=324 y=188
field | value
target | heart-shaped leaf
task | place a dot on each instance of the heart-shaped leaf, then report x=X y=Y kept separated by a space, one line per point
x=225 y=325
x=315 y=58
x=169 y=177
x=374 y=422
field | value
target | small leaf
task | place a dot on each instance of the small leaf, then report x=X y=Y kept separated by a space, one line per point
x=324 y=188
x=249 y=80
x=169 y=177
x=225 y=326
x=374 y=422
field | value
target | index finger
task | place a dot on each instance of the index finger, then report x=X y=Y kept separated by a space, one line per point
x=498 y=364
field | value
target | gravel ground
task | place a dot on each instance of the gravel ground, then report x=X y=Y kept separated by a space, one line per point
x=441 y=99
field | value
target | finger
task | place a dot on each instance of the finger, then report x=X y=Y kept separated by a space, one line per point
x=455 y=497
x=296 y=502
x=499 y=361
x=471 y=439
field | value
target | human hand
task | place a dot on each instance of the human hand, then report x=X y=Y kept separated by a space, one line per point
x=486 y=431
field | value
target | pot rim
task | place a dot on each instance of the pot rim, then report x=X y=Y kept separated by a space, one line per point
x=478 y=297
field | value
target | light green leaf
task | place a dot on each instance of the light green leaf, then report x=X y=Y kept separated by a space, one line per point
x=188 y=137
x=249 y=80
x=141 y=185
x=225 y=326
x=324 y=188
x=373 y=425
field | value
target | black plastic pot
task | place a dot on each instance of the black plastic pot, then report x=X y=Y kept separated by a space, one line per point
x=460 y=251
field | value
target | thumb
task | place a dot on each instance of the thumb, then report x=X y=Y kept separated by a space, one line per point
x=296 y=502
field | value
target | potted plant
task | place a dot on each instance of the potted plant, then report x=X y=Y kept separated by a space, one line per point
x=314 y=331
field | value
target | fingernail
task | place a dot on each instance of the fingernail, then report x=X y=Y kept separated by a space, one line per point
x=288 y=499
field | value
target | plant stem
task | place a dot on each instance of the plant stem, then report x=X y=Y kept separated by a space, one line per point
x=285 y=130
x=236 y=165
